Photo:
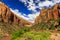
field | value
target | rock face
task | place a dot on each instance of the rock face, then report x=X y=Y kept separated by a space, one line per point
x=9 y=17
x=49 y=14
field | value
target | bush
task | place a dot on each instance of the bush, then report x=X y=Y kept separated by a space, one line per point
x=45 y=25
x=36 y=35
x=42 y=26
x=16 y=35
x=30 y=35
x=19 y=33
x=1 y=35
x=26 y=29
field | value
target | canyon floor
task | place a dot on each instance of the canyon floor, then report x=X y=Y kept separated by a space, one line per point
x=53 y=36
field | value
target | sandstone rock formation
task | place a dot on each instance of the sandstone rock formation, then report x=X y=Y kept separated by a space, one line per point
x=49 y=14
x=9 y=17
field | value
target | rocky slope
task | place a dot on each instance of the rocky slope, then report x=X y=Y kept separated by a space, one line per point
x=48 y=14
x=9 y=17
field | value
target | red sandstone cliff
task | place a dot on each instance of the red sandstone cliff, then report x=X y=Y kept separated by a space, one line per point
x=9 y=17
x=49 y=14
x=45 y=15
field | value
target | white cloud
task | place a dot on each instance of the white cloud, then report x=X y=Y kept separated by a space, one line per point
x=32 y=6
x=37 y=1
x=46 y=3
x=56 y=1
x=24 y=1
x=30 y=17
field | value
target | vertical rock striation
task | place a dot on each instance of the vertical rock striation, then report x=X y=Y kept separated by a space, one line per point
x=9 y=17
x=49 y=14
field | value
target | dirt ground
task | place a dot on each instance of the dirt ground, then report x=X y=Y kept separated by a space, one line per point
x=55 y=36
x=6 y=38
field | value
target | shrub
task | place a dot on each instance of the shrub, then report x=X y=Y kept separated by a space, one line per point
x=26 y=29
x=1 y=35
x=30 y=35
x=36 y=35
x=45 y=25
x=16 y=35
x=19 y=33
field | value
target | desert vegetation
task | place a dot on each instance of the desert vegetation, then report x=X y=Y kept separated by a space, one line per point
x=36 y=32
x=14 y=27
x=30 y=35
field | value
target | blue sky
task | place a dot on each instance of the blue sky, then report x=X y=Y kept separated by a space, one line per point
x=29 y=9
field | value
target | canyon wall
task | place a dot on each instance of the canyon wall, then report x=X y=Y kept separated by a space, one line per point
x=9 y=17
x=47 y=14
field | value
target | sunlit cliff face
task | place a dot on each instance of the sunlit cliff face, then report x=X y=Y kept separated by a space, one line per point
x=11 y=18
x=49 y=14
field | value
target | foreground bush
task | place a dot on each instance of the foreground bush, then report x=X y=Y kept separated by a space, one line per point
x=36 y=35
x=16 y=35
x=31 y=35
